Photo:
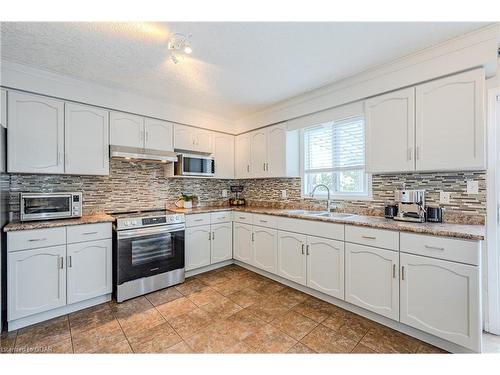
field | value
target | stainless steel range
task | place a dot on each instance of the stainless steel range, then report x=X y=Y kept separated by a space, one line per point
x=148 y=252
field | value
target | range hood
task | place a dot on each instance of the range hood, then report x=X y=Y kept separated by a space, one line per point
x=144 y=154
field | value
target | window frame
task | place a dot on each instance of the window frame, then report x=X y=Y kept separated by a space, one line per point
x=321 y=194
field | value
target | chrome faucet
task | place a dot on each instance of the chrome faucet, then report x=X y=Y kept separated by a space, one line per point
x=328 y=201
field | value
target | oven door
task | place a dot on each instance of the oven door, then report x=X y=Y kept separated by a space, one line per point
x=43 y=207
x=197 y=165
x=149 y=251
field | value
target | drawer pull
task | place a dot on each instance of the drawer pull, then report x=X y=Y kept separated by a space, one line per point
x=307 y=249
x=70 y=262
x=37 y=239
x=369 y=237
x=402 y=273
x=263 y=221
x=434 y=247
x=303 y=249
x=61 y=262
x=198 y=219
x=89 y=233
x=393 y=271
x=241 y=217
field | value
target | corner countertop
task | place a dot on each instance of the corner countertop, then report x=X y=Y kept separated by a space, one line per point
x=85 y=219
x=461 y=231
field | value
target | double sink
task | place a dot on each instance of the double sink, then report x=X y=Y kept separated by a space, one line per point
x=333 y=215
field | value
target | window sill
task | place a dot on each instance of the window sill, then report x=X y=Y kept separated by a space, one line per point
x=339 y=197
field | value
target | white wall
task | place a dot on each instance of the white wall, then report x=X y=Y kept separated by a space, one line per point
x=22 y=77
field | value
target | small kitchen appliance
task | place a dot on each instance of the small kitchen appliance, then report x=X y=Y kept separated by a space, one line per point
x=45 y=206
x=434 y=214
x=411 y=205
x=194 y=165
x=390 y=211
x=238 y=201
x=148 y=252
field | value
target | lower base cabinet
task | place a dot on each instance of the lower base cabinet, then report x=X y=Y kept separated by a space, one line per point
x=197 y=252
x=441 y=298
x=291 y=256
x=222 y=242
x=36 y=281
x=242 y=242
x=372 y=279
x=89 y=266
x=265 y=247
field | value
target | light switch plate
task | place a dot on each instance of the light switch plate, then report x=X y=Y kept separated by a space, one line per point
x=224 y=193
x=444 y=197
x=472 y=187
x=283 y=194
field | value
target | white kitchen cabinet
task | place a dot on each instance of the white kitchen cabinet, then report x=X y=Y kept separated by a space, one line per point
x=265 y=248
x=36 y=134
x=197 y=252
x=222 y=242
x=450 y=124
x=223 y=149
x=371 y=279
x=242 y=242
x=283 y=152
x=192 y=139
x=36 y=281
x=242 y=156
x=158 y=135
x=86 y=140
x=259 y=147
x=291 y=256
x=390 y=119
x=325 y=266
x=441 y=298
x=126 y=130
x=3 y=108
x=89 y=270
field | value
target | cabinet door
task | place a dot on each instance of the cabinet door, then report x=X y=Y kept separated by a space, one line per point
x=441 y=298
x=89 y=270
x=325 y=266
x=277 y=157
x=222 y=242
x=3 y=108
x=158 y=135
x=371 y=279
x=292 y=256
x=126 y=130
x=197 y=247
x=390 y=120
x=36 y=134
x=450 y=125
x=203 y=141
x=184 y=138
x=86 y=140
x=242 y=156
x=259 y=153
x=242 y=235
x=223 y=149
x=265 y=248
x=36 y=281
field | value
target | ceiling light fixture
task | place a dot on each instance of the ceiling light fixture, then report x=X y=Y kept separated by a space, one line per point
x=179 y=44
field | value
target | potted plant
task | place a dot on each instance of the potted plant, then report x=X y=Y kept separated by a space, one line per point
x=185 y=201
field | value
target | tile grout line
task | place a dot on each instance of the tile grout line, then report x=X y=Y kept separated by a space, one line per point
x=71 y=335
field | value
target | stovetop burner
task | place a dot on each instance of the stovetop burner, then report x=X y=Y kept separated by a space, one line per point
x=145 y=213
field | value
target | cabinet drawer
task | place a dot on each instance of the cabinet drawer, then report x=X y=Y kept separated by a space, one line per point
x=197 y=219
x=267 y=221
x=88 y=232
x=442 y=248
x=386 y=239
x=243 y=217
x=312 y=228
x=221 y=217
x=32 y=239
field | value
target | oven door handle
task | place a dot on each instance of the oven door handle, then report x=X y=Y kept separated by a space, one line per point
x=134 y=233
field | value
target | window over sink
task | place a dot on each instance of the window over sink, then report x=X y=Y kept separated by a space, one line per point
x=334 y=155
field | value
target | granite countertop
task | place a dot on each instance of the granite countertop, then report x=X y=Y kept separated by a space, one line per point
x=463 y=231
x=85 y=219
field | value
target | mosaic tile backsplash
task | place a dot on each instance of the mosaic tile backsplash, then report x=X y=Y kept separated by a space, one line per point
x=142 y=186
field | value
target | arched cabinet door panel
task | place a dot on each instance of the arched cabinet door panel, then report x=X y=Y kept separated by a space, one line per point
x=126 y=130
x=197 y=244
x=242 y=242
x=222 y=242
x=265 y=248
x=292 y=256
x=158 y=135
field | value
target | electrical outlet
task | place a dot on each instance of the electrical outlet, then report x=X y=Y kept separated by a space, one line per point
x=444 y=197
x=283 y=194
x=224 y=193
x=472 y=187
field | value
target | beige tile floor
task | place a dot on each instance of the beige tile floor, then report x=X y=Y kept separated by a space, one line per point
x=229 y=310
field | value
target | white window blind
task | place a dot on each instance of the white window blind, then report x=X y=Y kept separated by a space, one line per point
x=334 y=155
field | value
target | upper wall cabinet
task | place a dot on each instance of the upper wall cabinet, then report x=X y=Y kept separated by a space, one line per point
x=223 y=149
x=3 y=108
x=86 y=140
x=450 y=124
x=36 y=134
x=267 y=152
x=158 y=135
x=192 y=139
x=126 y=130
x=390 y=120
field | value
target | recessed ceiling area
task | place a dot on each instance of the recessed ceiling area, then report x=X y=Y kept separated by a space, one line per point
x=235 y=69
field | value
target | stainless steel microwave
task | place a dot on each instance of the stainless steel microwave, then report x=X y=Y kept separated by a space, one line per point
x=194 y=165
x=45 y=206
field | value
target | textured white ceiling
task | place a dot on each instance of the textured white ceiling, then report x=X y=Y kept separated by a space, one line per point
x=235 y=68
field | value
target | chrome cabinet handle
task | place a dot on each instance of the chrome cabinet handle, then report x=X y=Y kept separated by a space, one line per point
x=369 y=237
x=263 y=221
x=37 y=239
x=70 y=262
x=209 y=236
x=402 y=272
x=253 y=236
x=61 y=262
x=213 y=235
x=303 y=249
x=307 y=249
x=434 y=247
x=198 y=219
x=241 y=217
x=248 y=168
x=264 y=166
x=88 y=233
x=410 y=149
x=393 y=271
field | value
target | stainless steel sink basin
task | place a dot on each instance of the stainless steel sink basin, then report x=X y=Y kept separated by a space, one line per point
x=334 y=215
x=304 y=212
